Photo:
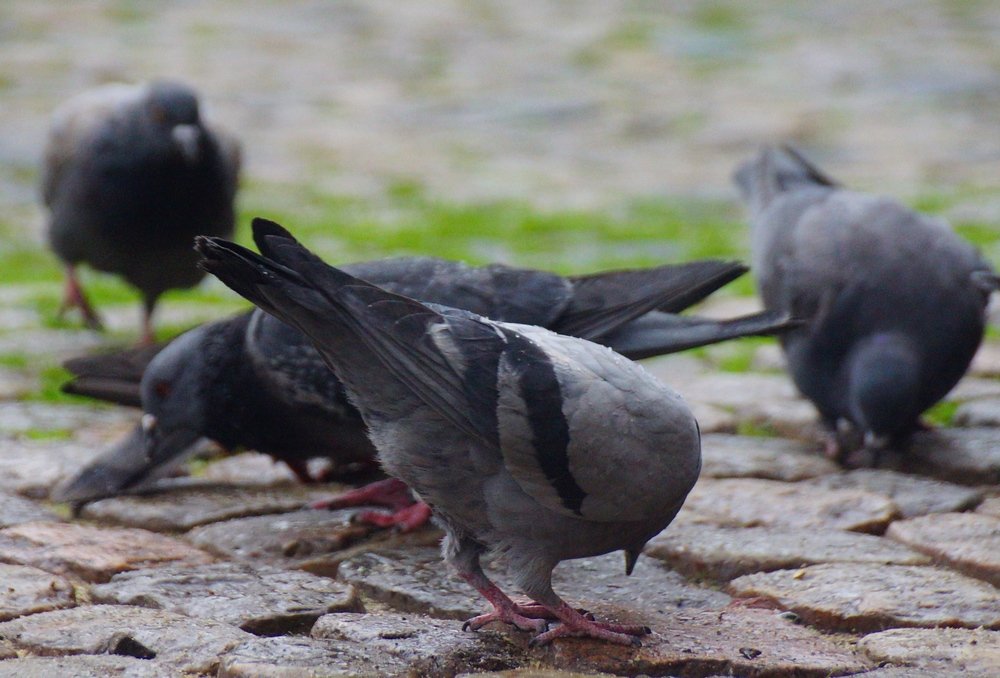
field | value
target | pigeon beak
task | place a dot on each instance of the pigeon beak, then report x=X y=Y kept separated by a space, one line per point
x=187 y=139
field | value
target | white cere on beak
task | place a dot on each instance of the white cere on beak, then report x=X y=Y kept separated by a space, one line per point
x=148 y=422
x=186 y=137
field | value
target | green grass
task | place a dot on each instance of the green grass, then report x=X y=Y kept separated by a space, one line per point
x=942 y=414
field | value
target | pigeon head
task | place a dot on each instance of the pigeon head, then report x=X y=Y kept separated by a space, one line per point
x=884 y=390
x=173 y=108
x=173 y=392
x=776 y=170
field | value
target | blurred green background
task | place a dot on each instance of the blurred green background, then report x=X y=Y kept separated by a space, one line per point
x=567 y=135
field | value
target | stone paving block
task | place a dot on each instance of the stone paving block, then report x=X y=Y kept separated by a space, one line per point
x=248 y=468
x=949 y=651
x=535 y=673
x=970 y=456
x=975 y=388
x=990 y=507
x=183 y=643
x=736 y=641
x=864 y=597
x=17 y=417
x=723 y=553
x=986 y=362
x=976 y=413
x=739 y=392
x=298 y=657
x=788 y=418
x=750 y=502
x=14 y=384
x=969 y=542
x=92 y=553
x=713 y=419
x=731 y=456
x=430 y=647
x=85 y=666
x=15 y=510
x=260 y=599
x=416 y=580
x=912 y=495
x=181 y=504
x=27 y=590
x=7 y=651
x=33 y=467
x=285 y=538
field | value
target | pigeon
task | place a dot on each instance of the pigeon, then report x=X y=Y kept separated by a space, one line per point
x=527 y=443
x=895 y=300
x=253 y=382
x=131 y=174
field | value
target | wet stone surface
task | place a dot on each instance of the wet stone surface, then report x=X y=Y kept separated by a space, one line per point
x=417 y=580
x=949 y=651
x=750 y=502
x=92 y=553
x=723 y=553
x=730 y=456
x=86 y=666
x=867 y=597
x=27 y=590
x=183 y=643
x=260 y=599
x=181 y=504
x=912 y=495
x=969 y=542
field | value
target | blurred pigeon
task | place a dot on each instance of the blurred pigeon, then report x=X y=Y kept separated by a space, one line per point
x=536 y=445
x=896 y=300
x=253 y=382
x=131 y=175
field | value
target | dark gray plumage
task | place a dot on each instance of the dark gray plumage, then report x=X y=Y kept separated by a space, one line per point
x=131 y=175
x=253 y=382
x=525 y=442
x=896 y=300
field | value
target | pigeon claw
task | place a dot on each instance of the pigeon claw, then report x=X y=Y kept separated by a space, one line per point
x=403 y=520
x=596 y=630
x=522 y=622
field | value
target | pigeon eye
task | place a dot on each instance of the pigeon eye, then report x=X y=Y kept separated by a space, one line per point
x=162 y=389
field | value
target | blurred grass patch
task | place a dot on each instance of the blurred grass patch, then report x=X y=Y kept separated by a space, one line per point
x=942 y=414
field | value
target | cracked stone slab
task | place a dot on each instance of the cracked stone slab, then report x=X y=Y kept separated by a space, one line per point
x=85 y=666
x=735 y=641
x=299 y=657
x=912 y=495
x=15 y=510
x=416 y=580
x=180 y=504
x=92 y=553
x=751 y=502
x=724 y=553
x=284 y=538
x=27 y=590
x=868 y=597
x=262 y=600
x=732 y=456
x=183 y=643
x=968 y=456
x=430 y=647
x=31 y=467
x=968 y=542
x=949 y=651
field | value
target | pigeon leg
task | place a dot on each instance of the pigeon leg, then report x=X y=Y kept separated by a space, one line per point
x=391 y=493
x=73 y=297
x=466 y=563
x=405 y=519
x=577 y=625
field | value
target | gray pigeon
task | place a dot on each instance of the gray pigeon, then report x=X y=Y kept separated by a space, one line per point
x=524 y=442
x=131 y=175
x=896 y=300
x=253 y=382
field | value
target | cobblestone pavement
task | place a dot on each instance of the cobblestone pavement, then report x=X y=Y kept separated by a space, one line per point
x=780 y=564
